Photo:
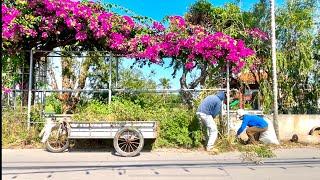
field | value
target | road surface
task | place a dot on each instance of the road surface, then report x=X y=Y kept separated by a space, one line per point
x=35 y=164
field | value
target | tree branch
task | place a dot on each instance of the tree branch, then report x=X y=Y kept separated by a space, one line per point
x=201 y=79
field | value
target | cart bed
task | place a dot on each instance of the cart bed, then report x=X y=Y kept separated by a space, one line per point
x=107 y=130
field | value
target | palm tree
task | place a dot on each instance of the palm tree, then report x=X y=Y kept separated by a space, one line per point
x=165 y=83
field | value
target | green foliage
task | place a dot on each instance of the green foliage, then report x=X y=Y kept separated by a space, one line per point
x=295 y=62
x=36 y=116
x=92 y=111
x=264 y=152
x=177 y=129
x=226 y=143
x=10 y=67
x=227 y=19
x=231 y=143
x=118 y=110
x=261 y=150
x=53 y=105
x=14 y=130
x=297 y=47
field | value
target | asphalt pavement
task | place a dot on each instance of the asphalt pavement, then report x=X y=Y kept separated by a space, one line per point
x=34 y=164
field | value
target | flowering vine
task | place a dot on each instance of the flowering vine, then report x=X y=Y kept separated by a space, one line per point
x=87 y=22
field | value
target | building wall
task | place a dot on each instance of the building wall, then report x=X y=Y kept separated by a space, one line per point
x=288 y=124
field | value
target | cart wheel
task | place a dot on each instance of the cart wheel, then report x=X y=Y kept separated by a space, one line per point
x=128 y=141
x=58 y=139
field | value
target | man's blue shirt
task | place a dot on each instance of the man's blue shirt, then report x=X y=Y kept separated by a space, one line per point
x=252 y=120
x=211 y=105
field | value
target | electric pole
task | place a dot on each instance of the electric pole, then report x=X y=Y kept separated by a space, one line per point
x=274 y=68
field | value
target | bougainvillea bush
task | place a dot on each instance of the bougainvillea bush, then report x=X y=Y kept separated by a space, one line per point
x=46 y=24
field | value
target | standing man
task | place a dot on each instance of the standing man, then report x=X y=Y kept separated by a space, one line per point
x=208 y=109
x=256 y=125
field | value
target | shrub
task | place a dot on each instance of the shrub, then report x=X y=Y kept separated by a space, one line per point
x=15 y=132
x=92 y=111
x=177 y=129
x=53 y=105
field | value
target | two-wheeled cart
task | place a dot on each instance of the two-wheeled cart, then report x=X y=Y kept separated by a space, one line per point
x=128 y=136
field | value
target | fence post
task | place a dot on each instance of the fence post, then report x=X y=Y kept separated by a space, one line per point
x=30 y=89
x=228 y=99
x=117 y=71
x=110 y=72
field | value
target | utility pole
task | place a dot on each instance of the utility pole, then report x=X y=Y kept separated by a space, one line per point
x=274 y=68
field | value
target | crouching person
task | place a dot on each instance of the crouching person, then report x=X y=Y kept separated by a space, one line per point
x=254 y=124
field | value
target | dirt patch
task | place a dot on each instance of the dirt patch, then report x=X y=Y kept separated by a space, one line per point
x=289 y=144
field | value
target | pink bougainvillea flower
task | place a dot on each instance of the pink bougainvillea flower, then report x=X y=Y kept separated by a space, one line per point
x=178 y=21
x=81 y=36
x=116 y=40
x=189 y=65
x=129 y=21
x=158 y=26
x=88 y=22
x=258 y=34
x=44 y=35
x=6 y=90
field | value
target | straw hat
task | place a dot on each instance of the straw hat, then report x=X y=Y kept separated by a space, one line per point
x=240 y=113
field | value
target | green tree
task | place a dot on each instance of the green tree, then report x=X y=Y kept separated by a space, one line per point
x=229 y=20
x=94 y=67
x=296 y=48
x=165 y=83
x=136 y=88
x=295 y=61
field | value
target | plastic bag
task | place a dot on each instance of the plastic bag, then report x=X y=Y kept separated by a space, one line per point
x=269 y=136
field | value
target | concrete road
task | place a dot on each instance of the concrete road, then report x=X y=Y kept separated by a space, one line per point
x=35 y=164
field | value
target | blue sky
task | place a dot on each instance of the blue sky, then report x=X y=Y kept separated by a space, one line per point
x=157 y=10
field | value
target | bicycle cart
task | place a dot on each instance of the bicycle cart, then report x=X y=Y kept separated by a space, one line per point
x=128 y=136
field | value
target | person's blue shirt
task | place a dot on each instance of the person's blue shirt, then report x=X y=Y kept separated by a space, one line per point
x=211 y=105
x=252 y=120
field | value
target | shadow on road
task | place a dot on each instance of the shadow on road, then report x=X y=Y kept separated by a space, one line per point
x=102 y=145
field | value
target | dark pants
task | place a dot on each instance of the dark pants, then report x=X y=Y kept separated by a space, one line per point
x=254 y=133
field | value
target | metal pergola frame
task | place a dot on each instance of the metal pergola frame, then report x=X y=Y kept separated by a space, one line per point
x=109 y=90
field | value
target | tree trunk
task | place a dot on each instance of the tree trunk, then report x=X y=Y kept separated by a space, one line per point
x=70 y=100
x=65 y=97
x=187 y=95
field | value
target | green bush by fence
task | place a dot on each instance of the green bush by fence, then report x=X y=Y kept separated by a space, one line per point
x=178 y=126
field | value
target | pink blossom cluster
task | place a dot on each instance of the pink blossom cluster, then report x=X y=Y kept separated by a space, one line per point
x=192 y=46
x=70 y=21
x=177 y=21
x=158 y=26
x=83 y=21
x=6 y=90
x=9 y=27
x=257 y=33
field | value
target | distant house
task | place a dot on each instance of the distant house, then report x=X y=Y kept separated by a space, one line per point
x=246 y=89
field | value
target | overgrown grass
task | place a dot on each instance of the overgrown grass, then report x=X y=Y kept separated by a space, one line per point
x=226 y=144
x=178 y=126
x=15 y=132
